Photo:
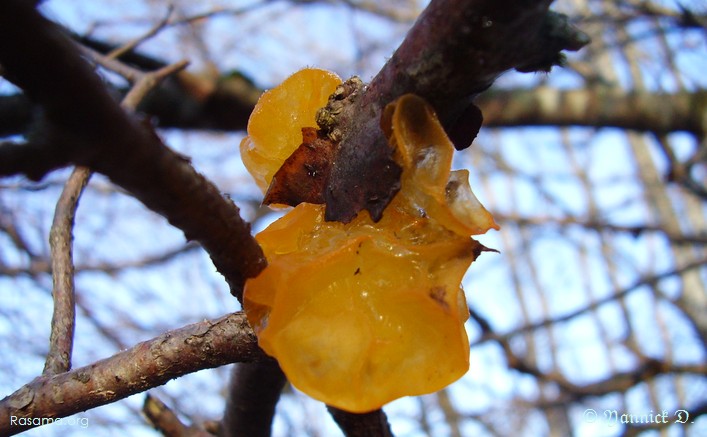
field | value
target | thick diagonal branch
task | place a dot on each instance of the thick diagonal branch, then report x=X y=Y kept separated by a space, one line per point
x=199 y=346
x=85 y=126
x=455 y=50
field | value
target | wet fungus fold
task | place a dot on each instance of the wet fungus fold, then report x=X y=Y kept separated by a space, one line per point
x=362 y=313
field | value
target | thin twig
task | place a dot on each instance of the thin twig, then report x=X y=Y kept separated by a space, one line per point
x=129 y=73
x=489 y=334
x=148 y=81
x=166 y=421
x=698 y=238
x=619 y=381
x=40 y=265
x=154 y=30
x=142 y=82
x=61 y=235
x=61 y=240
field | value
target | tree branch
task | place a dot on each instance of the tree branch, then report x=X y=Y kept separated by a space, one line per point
x=677 y=238
x=16 y=112
x=61 y=240
x=253 y=393
x=163 y=419
x=489 y=334
x=647 y=369
x=374 y=423
x=226 y=106
x=85 y=126
x=195 y=347
x=31 y=159
x=39 y=265
x=455 y=50
x=595 y=107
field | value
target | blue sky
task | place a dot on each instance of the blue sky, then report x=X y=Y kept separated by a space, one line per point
x=561 y=268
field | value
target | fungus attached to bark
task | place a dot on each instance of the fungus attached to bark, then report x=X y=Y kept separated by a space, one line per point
x=275 y=126
x=362 y=313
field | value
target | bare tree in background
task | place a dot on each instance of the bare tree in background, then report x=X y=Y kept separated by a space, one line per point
x=595 y=309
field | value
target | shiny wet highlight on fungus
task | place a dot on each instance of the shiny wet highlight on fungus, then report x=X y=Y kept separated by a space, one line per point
x=362 y=313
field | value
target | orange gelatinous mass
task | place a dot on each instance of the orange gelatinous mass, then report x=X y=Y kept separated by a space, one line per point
x=362 y=313
x=423 y=148
x=356 y=315
x=275 y=126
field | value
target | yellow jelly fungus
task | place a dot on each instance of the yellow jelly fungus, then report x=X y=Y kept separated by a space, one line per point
x=423 y=146
x=275 y=126
x=360 y=314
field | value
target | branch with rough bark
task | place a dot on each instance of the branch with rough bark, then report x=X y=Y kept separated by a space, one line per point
x=84 y=126
x=195 y=347
x=453 y=52
x=61 y=241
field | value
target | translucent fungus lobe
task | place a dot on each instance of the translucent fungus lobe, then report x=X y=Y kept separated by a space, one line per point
x=360 y=314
